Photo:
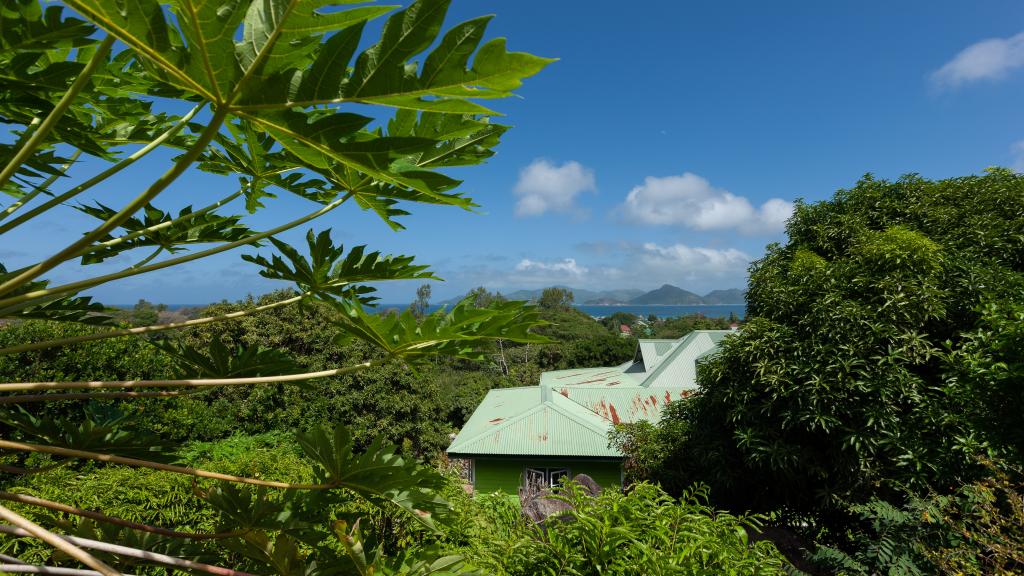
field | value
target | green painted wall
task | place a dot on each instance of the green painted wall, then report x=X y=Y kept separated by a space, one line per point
x=504 y=474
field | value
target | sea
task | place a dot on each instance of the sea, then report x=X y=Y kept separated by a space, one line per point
x=659 y=310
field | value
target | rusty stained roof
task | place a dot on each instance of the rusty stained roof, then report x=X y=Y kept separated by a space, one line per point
x=626 y=405
x=555 y=426
x=571 y=411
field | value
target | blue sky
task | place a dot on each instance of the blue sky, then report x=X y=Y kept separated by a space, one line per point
x=665 y=146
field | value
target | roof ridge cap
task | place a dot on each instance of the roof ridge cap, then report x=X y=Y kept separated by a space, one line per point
x=668 y=358
x=574 y=418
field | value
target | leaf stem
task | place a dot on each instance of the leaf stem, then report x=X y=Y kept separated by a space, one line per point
x=43 y=130
x=149 y=329
x=188 y=383
x=40 y=188
x=126 y=162
x=61 y=507
x=30 y=528
x=134 y=206
x=159 y=250
x=83 y=284
x=144 y=555
x=110 y=458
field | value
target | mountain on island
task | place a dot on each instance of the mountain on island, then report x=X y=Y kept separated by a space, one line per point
x=669 y=295
x=730 y=296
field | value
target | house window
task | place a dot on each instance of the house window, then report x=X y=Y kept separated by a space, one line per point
x=545 y=477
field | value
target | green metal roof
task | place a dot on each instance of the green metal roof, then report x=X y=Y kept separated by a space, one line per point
x=570 y=412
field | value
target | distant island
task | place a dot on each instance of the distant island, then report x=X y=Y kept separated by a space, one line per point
x=666 y=295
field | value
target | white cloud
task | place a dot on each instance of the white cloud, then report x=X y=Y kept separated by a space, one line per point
x=1017 y=151
x=687 y=261
x=567 y=267
x=692 y=201
x=989 y=59
x=543 y=187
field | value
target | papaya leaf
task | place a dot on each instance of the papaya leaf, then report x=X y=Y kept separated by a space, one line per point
x=199 y=229
x=219 y=361
x=101 y=428
x=377 y=474
x=329 y=271
x=464 y=332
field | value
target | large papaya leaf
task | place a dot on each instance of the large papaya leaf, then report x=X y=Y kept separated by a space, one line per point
x=378 y=473
x=219 y=361
x=329 y=271
x=26 y=27
x=79 y=309
x=101 y=428
x=247 y=152
x=465 y=332
x=179 y=231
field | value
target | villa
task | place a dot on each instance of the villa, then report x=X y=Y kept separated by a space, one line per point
x=560 y=428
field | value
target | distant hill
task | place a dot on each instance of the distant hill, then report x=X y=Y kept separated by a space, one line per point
x=666 y=295
x=580 y=296
x=669 y=295
x=730 y=296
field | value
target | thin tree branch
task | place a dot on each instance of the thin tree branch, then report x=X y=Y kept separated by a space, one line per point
x=188 y=383
x=148 y=329
x=26 y=527
x=83 y=284
x=159 y=140
x=158 y=186
x=43 y=130
x=27 y=398
x=60 y=507
x=146 y=555
x=22 y=568
x=26 y=447
x=40 y=188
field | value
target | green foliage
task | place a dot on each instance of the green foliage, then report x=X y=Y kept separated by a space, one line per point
x=121 y=359
x=673 y=328
x=638 y=533
x=977 y=530
x=266 y=81
x=880 y=360
x=555 y=298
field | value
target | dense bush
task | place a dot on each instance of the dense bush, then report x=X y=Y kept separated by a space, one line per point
x=642 y=532
x=882 y=356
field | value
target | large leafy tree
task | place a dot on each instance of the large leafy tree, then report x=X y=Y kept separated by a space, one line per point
x=882 y=354
x=275 y=96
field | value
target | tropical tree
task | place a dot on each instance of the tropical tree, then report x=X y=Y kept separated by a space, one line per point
x=266 y=94
x=881 y=361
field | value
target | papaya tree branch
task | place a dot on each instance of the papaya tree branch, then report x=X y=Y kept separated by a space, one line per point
x=126 y=162
x=25 y=527
x=43 y=130
x=149 y=329
x=132 y=207
x=22 y=568
x=83 y=284
x=187 y=383
x=145 y=555
x=60 y=507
